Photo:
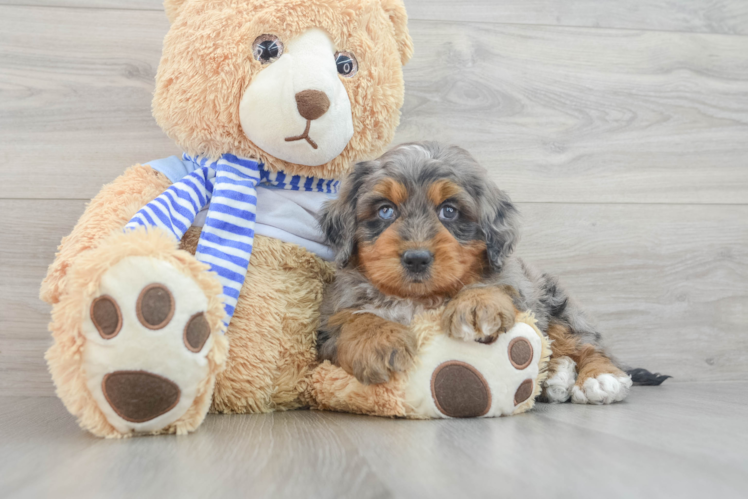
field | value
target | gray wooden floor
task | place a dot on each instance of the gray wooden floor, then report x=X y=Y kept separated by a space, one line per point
x=681 y=440
x=619 y=126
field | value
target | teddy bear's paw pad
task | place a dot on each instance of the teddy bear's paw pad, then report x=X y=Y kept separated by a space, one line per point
x=604 y=389
x=106 y=316
x=460 y=391
x=524 y=391
x=155 y=306
x=520 y=353
x=139 y=396
x=148 y=340
x=558 y=386
x=197 y=332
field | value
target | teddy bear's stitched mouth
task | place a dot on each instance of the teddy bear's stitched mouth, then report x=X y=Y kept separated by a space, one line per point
x=304 y=135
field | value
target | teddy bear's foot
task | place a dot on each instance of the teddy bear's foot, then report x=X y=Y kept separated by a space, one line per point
x=148 y=338
x=560 y=382
x=604 y=389
x=138 y=338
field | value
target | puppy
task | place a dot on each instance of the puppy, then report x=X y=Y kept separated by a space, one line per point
x=422 y=227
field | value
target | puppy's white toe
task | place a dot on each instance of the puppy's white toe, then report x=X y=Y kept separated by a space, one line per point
x=557 y=388
x=603 y=389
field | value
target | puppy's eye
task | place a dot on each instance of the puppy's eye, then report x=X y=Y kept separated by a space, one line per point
x=448 y=212
x=346 y=63
x=387 y=212
x=267 y=48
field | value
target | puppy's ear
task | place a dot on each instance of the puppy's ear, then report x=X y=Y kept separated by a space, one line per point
x=338 y=217
x=500 y=225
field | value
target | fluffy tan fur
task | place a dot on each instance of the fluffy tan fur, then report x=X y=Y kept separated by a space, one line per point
x=272 y=333
x=333 y=389
x=65 y=357
x=197 y=96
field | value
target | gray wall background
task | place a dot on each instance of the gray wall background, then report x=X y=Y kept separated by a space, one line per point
x=619 y=128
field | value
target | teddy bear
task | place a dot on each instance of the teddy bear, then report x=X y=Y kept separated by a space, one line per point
x=451 y=378
x=193 y=283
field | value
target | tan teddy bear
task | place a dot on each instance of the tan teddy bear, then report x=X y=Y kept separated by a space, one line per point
x=272 y=102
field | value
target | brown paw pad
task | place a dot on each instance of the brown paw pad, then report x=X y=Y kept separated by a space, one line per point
x=106 y=316
x=155 y=306
x=139 y=396
x=196 y=332
x=460 y=391
x=520 y=353
x=524 y=391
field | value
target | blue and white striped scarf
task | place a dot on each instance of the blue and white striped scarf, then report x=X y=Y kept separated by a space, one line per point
x=229 y=185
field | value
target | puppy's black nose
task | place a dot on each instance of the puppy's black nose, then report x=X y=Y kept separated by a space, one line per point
x=417 y=261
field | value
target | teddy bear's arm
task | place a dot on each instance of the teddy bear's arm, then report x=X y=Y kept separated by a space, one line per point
x=108 y=211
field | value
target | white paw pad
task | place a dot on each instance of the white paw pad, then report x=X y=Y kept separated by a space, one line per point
x=557 y=388
x=147 y=342
x=602 y=390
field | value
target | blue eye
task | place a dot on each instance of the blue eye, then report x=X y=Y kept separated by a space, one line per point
x=386 y=212
x=448 y=212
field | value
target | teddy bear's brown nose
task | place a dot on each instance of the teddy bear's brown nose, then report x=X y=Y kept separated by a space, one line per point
x=312 y=104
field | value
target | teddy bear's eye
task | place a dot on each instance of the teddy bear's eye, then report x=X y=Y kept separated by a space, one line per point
x=267 y=48
x=346 y=63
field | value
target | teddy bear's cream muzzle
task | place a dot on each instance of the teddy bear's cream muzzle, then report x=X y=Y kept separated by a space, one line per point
x=296 y=108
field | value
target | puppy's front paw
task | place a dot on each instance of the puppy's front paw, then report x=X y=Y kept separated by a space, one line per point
x=371 y=348
x=479 y=314
x=603 y=389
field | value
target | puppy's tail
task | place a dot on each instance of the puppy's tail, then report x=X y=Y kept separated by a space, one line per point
x=640 y=376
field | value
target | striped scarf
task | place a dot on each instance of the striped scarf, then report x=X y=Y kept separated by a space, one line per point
x=229 y=186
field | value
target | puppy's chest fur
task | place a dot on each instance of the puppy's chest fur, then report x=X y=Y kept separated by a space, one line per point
x=395 y=309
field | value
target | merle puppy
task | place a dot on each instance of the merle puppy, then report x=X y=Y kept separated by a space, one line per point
x=423 y=227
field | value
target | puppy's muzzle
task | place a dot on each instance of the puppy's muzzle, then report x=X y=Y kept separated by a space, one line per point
x=417 y=261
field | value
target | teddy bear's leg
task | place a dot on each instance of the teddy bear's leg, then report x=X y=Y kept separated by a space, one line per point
x=107 y=212
x=138 y=336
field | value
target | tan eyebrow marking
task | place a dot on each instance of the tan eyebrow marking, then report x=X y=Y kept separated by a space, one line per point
x=442 y=190
x=392 y=190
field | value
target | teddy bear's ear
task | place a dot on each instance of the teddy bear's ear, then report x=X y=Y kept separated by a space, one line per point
x=172 y=8
x=396 y=11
